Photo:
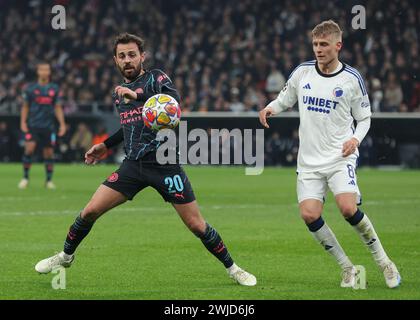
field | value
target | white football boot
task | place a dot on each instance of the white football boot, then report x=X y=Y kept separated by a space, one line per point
x=23 y=184
x=241 y=276
x=58 y=260
x=391 y=274
x=348 y=277
x=50 y=185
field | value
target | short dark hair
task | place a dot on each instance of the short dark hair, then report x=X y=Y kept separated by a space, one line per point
x=125 y=38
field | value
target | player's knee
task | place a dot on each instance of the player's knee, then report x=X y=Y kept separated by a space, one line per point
x=309 y=215
x=90 y=213
x=197 y=226
x=347 y=209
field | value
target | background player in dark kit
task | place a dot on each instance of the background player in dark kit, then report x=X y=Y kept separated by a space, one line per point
x=40 y=108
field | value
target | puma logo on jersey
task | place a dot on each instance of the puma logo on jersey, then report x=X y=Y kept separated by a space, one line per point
x=179 y=196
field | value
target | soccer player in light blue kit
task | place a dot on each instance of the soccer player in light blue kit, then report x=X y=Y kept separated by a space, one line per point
x=330 y=96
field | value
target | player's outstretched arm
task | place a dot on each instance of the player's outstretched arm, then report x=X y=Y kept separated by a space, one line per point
x=264 y=114
x=286 y=98
x=94 y=154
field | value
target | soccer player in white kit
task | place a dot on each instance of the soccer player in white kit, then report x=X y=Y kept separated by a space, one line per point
x=330 y=96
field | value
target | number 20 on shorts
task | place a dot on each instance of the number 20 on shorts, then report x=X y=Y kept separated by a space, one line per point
x=174 y=183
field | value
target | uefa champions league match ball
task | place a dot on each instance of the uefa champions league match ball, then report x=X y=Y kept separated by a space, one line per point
x=161 y=111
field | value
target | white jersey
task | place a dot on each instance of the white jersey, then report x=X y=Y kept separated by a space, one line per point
x=328 y=105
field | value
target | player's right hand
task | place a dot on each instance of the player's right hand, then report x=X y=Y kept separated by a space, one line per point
x=124 y=92
x=95 y=153
x=264 y=114
x=62 y=130
x=24 y=127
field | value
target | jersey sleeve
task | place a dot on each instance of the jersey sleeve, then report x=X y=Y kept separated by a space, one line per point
x=287 y=96
x=58 y=98
x=362 y=129
x=163 y=84
x=115 y=139
x=26 y=96
x=360 y=104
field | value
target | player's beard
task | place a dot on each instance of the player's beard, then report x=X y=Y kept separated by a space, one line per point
x=131 y=72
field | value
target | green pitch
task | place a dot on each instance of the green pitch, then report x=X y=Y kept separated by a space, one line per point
x=141 y=250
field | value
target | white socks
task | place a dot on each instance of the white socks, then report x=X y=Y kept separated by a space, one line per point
x=362 y=225
x=368 y=235
x=327 y=239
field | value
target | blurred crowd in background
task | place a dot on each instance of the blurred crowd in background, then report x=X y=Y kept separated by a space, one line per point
x=222 y=55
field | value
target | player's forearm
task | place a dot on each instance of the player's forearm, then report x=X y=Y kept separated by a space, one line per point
x=275 y=106
x=24 y=114
x=115 y=139
x=59 y=114
x=362 y=129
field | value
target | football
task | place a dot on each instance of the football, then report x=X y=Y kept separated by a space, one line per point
x=161 y=112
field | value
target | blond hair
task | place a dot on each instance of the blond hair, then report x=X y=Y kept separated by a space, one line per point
x=326 y=28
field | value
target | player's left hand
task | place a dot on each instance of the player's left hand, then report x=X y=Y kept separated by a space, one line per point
x=349 y=147
x=62 y=131
x=126 y=93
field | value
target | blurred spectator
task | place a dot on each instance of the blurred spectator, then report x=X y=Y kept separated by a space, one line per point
x=282 y=151
x=81 y=141
x=275 y=81
x=414 y=104
x=236 y=105
x=65 y=154
x=100 y=136
x=403 y=107
x=367 y=154
x=273 y=153
x=393 y=94
x=5 y=142
x=292 y=150
x=376 y=95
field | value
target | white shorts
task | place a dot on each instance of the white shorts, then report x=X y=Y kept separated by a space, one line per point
x=339 y=179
